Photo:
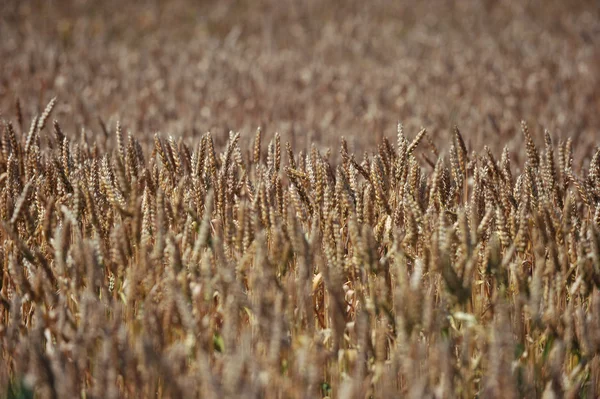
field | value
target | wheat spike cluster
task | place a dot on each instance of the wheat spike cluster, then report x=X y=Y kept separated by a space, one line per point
x=216 y=200
x=190 y=271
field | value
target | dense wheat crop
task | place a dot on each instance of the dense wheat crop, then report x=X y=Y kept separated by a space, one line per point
x=324 y=255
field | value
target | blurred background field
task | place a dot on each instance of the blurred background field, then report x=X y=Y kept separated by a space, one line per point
x=312 y=71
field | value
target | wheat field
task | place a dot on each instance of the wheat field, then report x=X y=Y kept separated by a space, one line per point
x=216 y=200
